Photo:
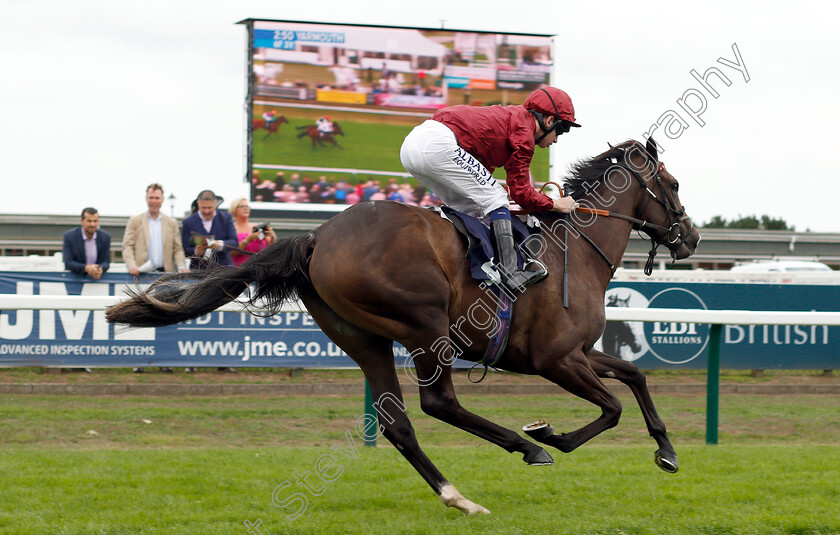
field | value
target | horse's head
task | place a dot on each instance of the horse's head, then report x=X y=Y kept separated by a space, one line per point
x=660 y=210
x=628 y=182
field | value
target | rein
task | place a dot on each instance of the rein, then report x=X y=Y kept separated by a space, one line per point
x=638 y=224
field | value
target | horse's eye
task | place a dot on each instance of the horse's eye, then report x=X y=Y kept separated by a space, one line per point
x=676 y=186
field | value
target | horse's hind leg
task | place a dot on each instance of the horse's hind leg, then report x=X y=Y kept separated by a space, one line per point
x=374 y=355
x=437 y=399
x=628 y=373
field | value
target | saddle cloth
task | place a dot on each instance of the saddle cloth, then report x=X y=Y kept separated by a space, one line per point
x=479 y=237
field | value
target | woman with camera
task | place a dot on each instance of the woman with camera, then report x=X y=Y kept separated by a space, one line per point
x=251 y=238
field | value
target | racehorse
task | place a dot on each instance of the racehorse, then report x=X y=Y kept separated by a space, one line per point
x=272 y=128
x=315 y=135
x=406 y=279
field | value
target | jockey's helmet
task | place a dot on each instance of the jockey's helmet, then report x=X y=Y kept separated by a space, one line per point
x=551 y=101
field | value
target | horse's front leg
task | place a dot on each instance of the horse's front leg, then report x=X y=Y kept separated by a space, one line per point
x=573 y=373
x=628 y=373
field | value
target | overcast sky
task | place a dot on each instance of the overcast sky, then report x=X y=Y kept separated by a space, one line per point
x=99 y=98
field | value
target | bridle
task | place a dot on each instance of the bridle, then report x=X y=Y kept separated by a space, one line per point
x=671 y=234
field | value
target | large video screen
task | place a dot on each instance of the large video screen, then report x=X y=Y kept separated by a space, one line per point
x=329 y=105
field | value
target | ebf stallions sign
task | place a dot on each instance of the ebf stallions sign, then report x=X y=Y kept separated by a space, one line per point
x=679 y=344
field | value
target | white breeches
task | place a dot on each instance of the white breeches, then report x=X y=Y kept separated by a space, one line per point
x=432 y=155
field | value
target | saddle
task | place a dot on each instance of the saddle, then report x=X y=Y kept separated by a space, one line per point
x=479 y=240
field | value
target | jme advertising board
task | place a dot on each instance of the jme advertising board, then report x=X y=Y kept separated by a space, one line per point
x=291 y=339
x=83 y=338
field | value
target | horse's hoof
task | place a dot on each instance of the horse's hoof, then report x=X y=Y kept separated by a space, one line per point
x=539 y=430
x=538 y=457
x=666 y=460
x=450 y=497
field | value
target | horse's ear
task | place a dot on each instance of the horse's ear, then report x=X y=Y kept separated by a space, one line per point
x=651 y=148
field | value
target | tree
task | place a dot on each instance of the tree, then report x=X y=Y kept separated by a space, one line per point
x=715 y=222
x=749 y=222
x=746 y=222
x=771 y=223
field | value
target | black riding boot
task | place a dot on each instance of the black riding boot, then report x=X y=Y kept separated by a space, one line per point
x=513 y=277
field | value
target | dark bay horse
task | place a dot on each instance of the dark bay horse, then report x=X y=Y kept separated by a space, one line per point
x=315 y=135
x=383 y=271
x=272 y=128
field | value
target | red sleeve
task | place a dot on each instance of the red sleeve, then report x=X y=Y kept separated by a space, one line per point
x=518 y=178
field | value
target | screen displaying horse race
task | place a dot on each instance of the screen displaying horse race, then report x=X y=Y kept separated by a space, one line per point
x=331 y=104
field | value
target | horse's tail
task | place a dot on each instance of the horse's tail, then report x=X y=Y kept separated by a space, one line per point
x=280 y=271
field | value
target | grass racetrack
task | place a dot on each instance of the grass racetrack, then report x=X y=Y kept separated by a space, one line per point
x=177 y=465
x=366 y=144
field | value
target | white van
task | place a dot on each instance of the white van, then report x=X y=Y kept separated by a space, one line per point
x=781 y=266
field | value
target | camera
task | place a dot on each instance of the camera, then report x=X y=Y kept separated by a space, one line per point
x=261 y=229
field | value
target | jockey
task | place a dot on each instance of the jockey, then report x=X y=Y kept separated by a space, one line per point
x=455 y=152
x=324 y=125
x=269 y=118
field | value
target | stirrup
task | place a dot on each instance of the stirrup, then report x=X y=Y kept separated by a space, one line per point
x=521 y=279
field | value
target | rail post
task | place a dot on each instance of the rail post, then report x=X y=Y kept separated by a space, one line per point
x=370 y=412
x=713 y=385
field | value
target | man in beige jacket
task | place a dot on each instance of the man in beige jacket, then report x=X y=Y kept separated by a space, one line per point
x=152 y=242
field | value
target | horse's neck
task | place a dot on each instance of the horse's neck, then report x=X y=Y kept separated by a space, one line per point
x=610 y=234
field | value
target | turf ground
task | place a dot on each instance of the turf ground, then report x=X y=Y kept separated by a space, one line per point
x=167 y=465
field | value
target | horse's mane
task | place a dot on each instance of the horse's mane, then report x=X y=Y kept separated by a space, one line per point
x=593 y=170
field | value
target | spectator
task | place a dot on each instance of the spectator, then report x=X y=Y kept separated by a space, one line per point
x=353 y=197
x=393 y=194
x=152 y=242
x=249 y=239
x=208 y=233
x=323 y=183
x=370 y=187
x=315 y=193
x=279 y=180
x=302 y=195
x=86 y=249
x=295 y=181
x=286 y=194
x=265 y=188
x=419 y=192
x=407 y=194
